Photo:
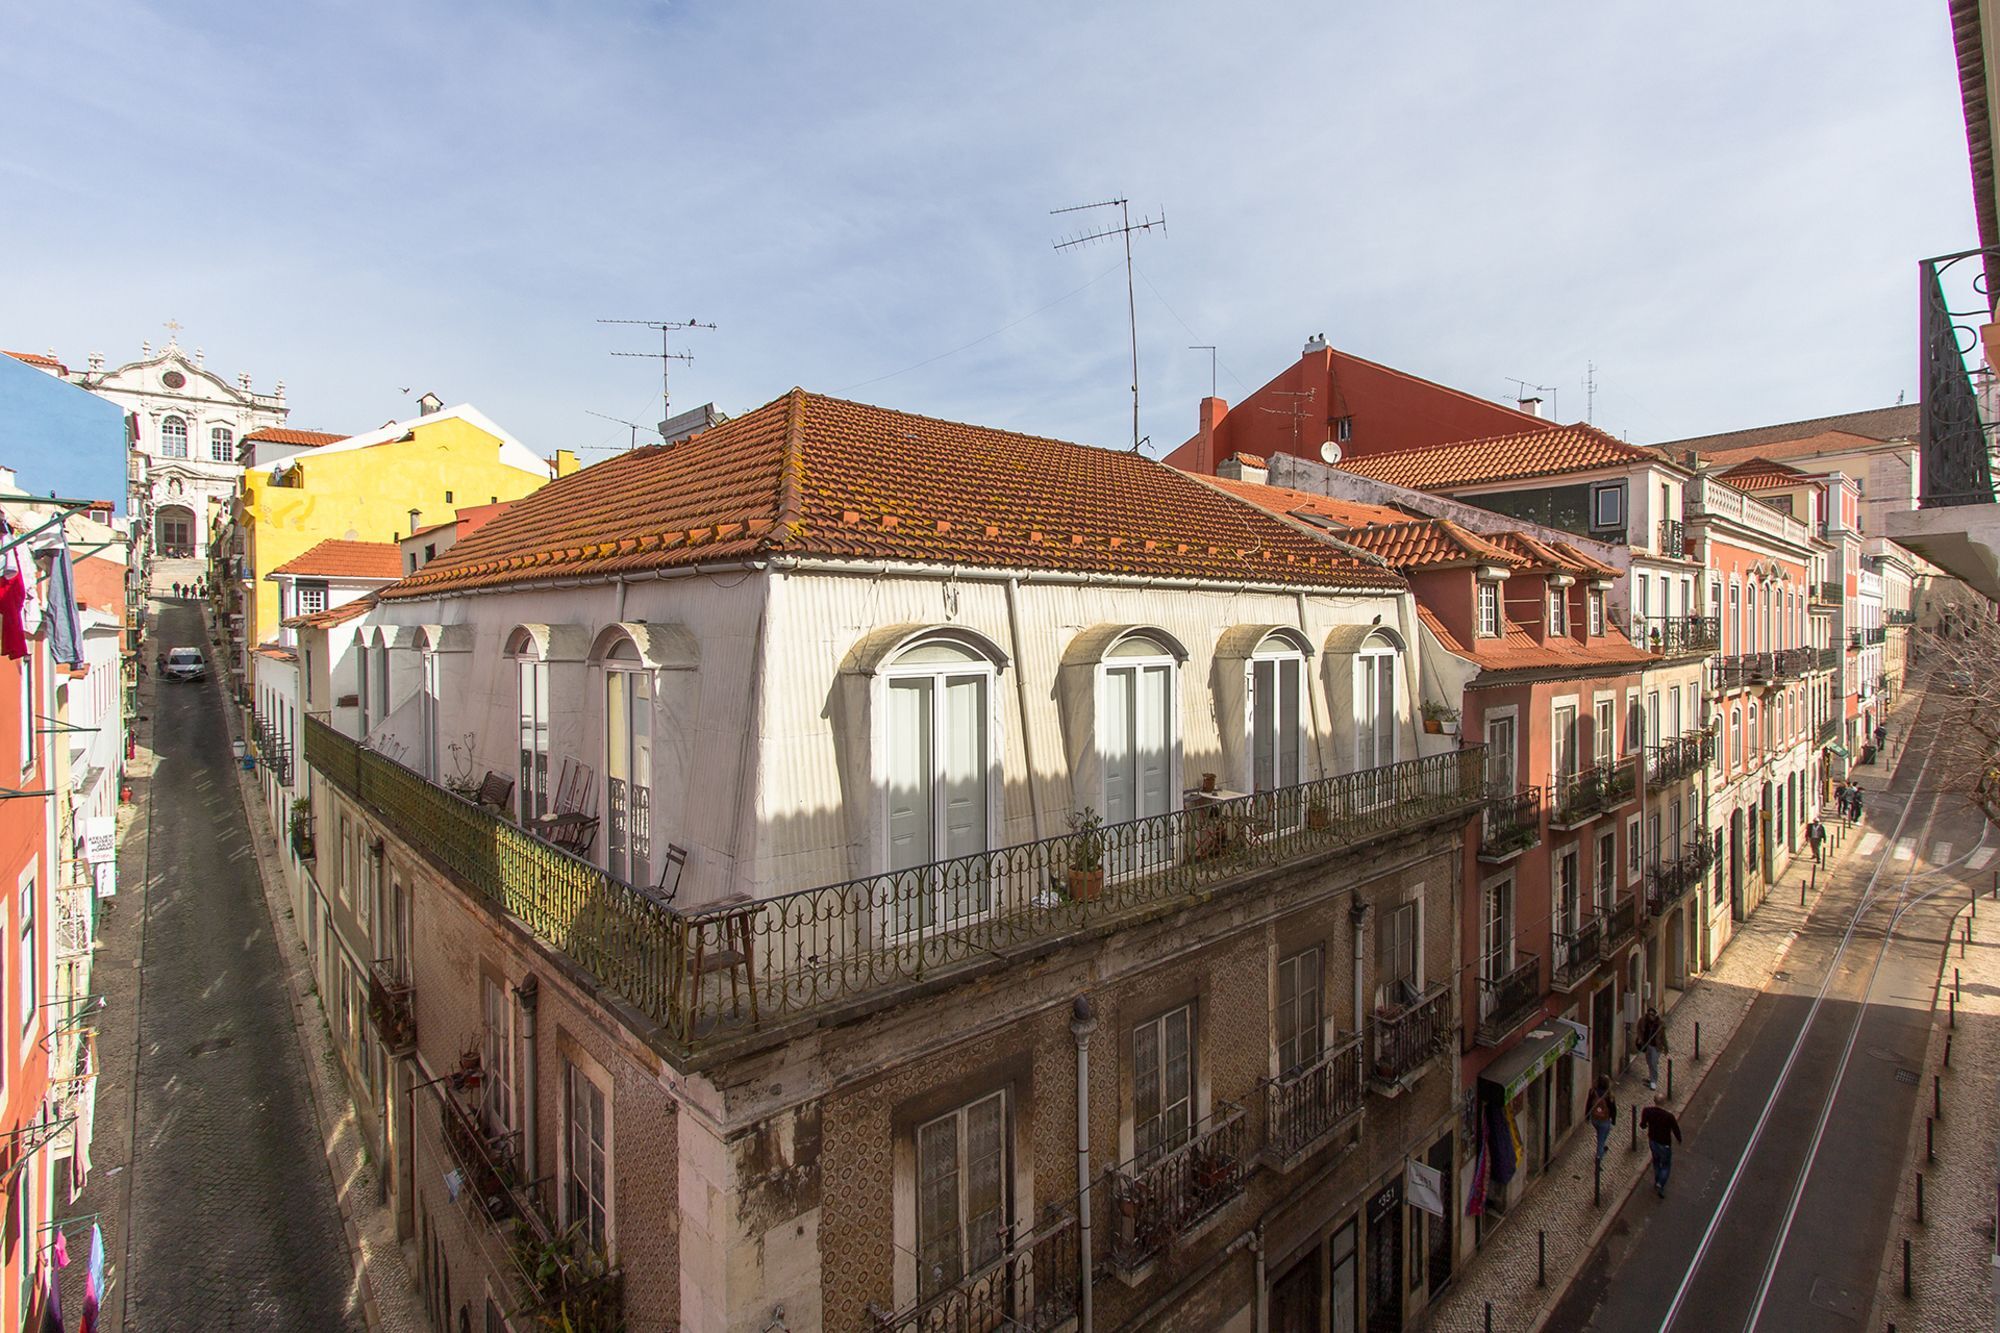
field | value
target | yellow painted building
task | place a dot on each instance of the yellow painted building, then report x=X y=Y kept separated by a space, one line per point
x=365 y=488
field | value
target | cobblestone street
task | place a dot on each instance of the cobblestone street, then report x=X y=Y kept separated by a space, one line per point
x=232 y=1214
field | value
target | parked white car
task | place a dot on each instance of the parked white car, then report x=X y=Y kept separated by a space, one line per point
x=185 y=664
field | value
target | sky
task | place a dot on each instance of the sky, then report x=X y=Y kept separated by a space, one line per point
x=1720 y=206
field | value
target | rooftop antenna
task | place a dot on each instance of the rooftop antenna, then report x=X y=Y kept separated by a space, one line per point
x=636 y=426
x=666 y=358
x=1210 y=349
x=1124 y=229
x=1522 y=394
x=1589 y=390
x=1297 y=411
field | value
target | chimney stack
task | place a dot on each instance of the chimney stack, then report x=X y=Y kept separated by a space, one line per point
x=1316 y=343
x=1532 y=406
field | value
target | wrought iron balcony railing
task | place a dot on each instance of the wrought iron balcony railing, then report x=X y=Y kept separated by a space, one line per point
x=1673 y=760
x=1511 y=825
x=1576 y=954
x=1304 y=1108
x=1827 y=593
x=1155 y=1201
x=1874 y=634
x=1954 y=306
x=392 y=1005
x=1668 y=881
x=1899 y=617
x=1673 y=538
x=1792 y=663
x=1583 y=796
x=737 y=965
x=1403 y=1040
x=1031 y=1285
x=1508 y=1000
x=1621 y=922
x=1679 y=636
x=1854 y=641
x=1829 y=731
x=1829 y=658
x=272 y=752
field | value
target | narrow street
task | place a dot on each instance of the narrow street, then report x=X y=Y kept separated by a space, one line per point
x=1783 y=1193
x=233 y=1221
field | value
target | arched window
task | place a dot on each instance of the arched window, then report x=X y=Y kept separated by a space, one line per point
x=937 y=763
x=1277 y=713
x=222 y=444
x=1138 y=734
x=173 y=437
x=531 y=707
x=1376 y=667
x=628 y=761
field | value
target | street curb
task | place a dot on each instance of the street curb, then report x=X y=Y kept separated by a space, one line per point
x=302 y=1014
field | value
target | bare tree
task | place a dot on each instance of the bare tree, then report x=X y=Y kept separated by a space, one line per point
x=1955 y=653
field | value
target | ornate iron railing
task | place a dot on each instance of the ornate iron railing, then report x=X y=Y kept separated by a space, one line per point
x=1155 y=1201
x=1954 y=304
x=1401 y=1041
x=1829 y=731
x=392 y=1005
x=1673 y=538
x=1744 y=669
x=1587 y=794
x=1854 y=641
x=747 y=962
x=1667 y=882
x=1899 y=617
x=1827 y=593
x=1303 y=1107
x=1874 y=634
x=1513 y=823
x=1672 y=760
x=1829 y=658
x=1577 y=953
x=1031 y=1285
x=1677 y=636
x=1792 y=663
x=1621 y=922
x=1506 y=1001
x=271 y=750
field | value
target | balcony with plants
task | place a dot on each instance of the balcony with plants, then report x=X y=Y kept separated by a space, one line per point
x=392 y=1005
x=1404 y=1037
x=1576 y=955
x=1681 y=636
x=1510 y=999
x=1169 y=1197
x=1582 y=796
x=1030 y=1285
x=1511 y=825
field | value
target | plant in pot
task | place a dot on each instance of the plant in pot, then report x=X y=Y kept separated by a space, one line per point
x=1319 y=814
x=302 y=830
x=1439 y=718
x=1086 y=855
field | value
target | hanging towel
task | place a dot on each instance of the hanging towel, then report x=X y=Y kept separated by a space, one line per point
x=65 y=630
x=52 y=1320
x=13 y=595
x=93 y=1282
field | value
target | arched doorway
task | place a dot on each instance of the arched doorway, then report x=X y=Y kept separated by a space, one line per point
x=173 y=531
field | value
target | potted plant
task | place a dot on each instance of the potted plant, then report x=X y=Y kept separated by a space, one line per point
x=302 y=828
x=1439 y=717
x=1319 y=815
x=1211 y=1170
x=1086 y=856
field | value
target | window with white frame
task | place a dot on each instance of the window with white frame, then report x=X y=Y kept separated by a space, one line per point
x=1163 y=1082
x=1137 y=735
x=938 y=755
x=1299 y=1017
x=1653 y=840
x=1558 y=611
x=1605 y=732
x=586 y=1157
x=1674 y=721
x=1398 y=966
x=1635 y=720
x=628 y=762
x=222 y=444
x=173 y=437
x=497 y=1058
x=1596 y=612
x=1607 y=506
x=26 y=670
x=961 y=1193
x=1375 y=669
x=531 y=713
x=1632 y=851
x=30 y=967
x=1501 y=766
x=428 y=695
x=1605 y=886
x=1569 y=892
x=1277 y=715
x=1496 y=938
x=1489 y=609
x=310 y=598
x=1563 y=757
x=1652 y=717
x=1736 y=646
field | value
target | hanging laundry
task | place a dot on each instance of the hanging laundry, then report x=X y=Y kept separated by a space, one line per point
x=61 y=1249
x=52 y=1317
x=65 y=629
x=93 y=1282
x=13 y=598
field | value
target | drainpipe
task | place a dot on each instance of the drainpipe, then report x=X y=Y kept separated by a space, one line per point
x=1312 y=696
x=1082 y=1023
x=528 y=993
x=1357 y=913
x=1262 y=1302
x=1027 y=730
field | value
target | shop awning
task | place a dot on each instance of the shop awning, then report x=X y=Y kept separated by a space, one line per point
x=1524 y=1064
x=1841 y=750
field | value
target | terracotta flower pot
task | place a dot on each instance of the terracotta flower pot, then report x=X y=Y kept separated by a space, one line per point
x=1086 y=886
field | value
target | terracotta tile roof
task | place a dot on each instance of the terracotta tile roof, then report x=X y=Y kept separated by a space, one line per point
x=1252 y=460
x=1517 y=650
x=1421 y=543
x=1541 y=453
x=430 y=528
x=806 y=475
x=286 y=435
x=276 y=652
x=38 y=359
x=1872 y=425
x=1285 y=500
x=345 y=560
x=1812 y=446
x=1764 y=474
x=333 y=615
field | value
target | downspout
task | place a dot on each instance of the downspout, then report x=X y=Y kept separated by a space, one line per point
x=622 y=585
x=1027 y=717
x=1261 y=1301
x=528 y=994
x=1357 y=913
x=1312 y=695
x=1082 y=1023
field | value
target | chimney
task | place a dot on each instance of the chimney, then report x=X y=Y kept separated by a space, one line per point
x=1213 y=410
x=1532 y=406
x=429 y=404
x=415 y=521
x=243 y=380
x=1316 y=343
x=96 y=362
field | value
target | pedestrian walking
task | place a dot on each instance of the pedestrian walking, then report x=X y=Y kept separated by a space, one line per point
x=1603 y=1113
x=1652 y=1040
x=1854 y=800
x=177 y=591
x=1816 y=839
x=1662 y=1129
x=1881 y=735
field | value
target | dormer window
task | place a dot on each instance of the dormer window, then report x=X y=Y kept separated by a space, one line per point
x=1596 y=612
x=1558 y=612
x=1489 y=609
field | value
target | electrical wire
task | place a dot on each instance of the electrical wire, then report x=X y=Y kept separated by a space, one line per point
x=1185 y=325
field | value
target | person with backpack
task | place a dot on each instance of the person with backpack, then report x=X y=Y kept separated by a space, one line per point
x=1603 y=1112
x=1651 y=1039
x=1662 y=1128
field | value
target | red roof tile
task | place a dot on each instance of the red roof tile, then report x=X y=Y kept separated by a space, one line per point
x=286 y=435
x=1517 y=650
x=1430 y=543
x=346 y=560
x=812 y=476
x=276 y=652
x=1812 y=446
x=1763 y=474
x=37 y=359
x=1285 y=500
x=1542 y=453
x=333 y=615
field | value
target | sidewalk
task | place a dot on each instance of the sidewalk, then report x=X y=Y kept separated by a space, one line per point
x=1952 y=1249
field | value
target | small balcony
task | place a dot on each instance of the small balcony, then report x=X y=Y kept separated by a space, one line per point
x=1827 y=594
x=1582 y=797
x=1669 y=881
x=1509 y=1000
x=1307 y=1107
x=1682 y=636
x=1899 y=617
x=1513 y=824
x=1621 y=921
x=1404 y=1040
x=1829 y=731
x=1031 y=1285
x=1576 y=955
x=1829 y=658
x=1673 y=538
x=1874 y=635
x=1681 y=757
x=392 y=1006
x=1168 y=1200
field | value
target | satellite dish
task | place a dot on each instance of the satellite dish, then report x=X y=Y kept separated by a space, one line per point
x=1330 y=451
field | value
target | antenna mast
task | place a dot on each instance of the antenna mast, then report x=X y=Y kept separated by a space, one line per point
x=1297 y=411
x=665 y=357
x=1589 y=390
x=1210 y=349
x=1125 y=228
x=1521 y=388
x=636 y=427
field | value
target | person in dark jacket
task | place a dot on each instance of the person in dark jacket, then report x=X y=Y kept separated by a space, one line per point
x=1651 y=1039
x=1663 y=1129
x=1603 y=1112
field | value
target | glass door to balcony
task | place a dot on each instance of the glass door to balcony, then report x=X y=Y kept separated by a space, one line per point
x=628 y=771
x=936 y=740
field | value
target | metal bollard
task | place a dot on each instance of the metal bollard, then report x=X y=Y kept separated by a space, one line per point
x=1920 y=1198
x=1906 y=1284
x=1670 y=1078
x=1953 y=998
x=1632 y=1123
x=1947 y=1050
x=1697 y=1043
x=1597 y=1183
x=1956 y=988
x=1930 y=1146
x=1541 y=1258
x=1937 y=1098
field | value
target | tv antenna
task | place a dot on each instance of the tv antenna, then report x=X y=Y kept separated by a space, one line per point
x=1297 y=411
x=1210 y=349
x=1589 y=390
x=665 y=356
x=1125 y=228
x=636 y=426
x=1523 y=391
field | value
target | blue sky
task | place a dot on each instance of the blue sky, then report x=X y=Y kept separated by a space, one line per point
x=1719 y=204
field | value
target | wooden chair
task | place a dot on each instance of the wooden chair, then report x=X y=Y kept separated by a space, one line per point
x=576 y=792
x=672 y=864
x=735 y=952
x=495 y=792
